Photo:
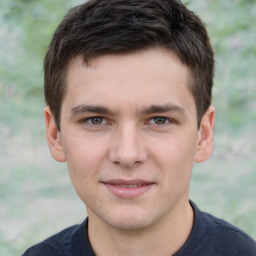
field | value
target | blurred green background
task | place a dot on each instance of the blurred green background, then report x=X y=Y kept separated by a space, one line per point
x=36 y=196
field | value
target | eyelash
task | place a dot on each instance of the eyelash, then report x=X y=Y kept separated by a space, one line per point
x=103 y=121
x=89 y=120
x=161 y=118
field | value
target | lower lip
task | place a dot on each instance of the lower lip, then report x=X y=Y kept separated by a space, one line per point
x=125 y=192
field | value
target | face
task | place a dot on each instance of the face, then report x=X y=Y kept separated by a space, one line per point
x=129 y=135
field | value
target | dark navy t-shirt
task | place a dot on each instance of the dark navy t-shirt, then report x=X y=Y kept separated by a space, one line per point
x=210 y=236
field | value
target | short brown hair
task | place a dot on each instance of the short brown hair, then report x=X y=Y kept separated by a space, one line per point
x=100 y=27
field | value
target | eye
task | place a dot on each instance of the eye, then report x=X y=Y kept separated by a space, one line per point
x=159 y=120
x=96 y=120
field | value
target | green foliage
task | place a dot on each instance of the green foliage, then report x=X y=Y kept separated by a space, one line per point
x=231 y=25
x=26 y=27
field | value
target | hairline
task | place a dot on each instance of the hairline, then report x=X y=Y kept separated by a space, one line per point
x=88 y=63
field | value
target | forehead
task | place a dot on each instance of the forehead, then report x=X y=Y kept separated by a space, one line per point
x=137 y=79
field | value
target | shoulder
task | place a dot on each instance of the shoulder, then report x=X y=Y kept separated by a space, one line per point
x=56 y=245
x=224 y=238
x=40 y=249
x=214 y=236
x=231 y=238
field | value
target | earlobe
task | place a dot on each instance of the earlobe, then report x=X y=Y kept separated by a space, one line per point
x=205 y=142
x=53 y=136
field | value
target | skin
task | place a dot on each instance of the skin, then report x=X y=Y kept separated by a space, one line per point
x=131 y=120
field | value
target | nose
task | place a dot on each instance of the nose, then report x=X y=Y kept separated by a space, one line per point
x=127 y=147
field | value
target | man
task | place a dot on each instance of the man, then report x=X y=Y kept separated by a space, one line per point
x=128 y=92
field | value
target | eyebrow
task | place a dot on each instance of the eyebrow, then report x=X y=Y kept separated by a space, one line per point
x=80 y=109
x=153 y=109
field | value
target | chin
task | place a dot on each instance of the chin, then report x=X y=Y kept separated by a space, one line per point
x=129 y=224
x=130 y=220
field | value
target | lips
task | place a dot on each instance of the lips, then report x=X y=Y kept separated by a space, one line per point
x=128 y=188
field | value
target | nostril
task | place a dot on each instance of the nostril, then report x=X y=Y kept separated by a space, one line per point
x=129 y=165
x=127 y=149
x=116 y=163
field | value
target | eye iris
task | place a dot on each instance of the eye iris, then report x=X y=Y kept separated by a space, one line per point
x=96 y=120
x=160 y=120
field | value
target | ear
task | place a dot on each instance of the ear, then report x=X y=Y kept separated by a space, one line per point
x=205 y=141
x=53 y=136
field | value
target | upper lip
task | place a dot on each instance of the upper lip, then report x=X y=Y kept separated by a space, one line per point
x=127 y=182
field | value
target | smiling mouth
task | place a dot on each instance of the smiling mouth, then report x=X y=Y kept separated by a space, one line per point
x=128 y=189
x=129 y=185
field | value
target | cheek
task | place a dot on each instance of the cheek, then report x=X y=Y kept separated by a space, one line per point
x=176 y=149
x=175 y=158
x=83 y=165
x=84 y=157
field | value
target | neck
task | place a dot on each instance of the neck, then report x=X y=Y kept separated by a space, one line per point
x=163 y=238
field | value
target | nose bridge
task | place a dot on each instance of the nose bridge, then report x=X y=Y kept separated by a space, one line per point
x=128 y=149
